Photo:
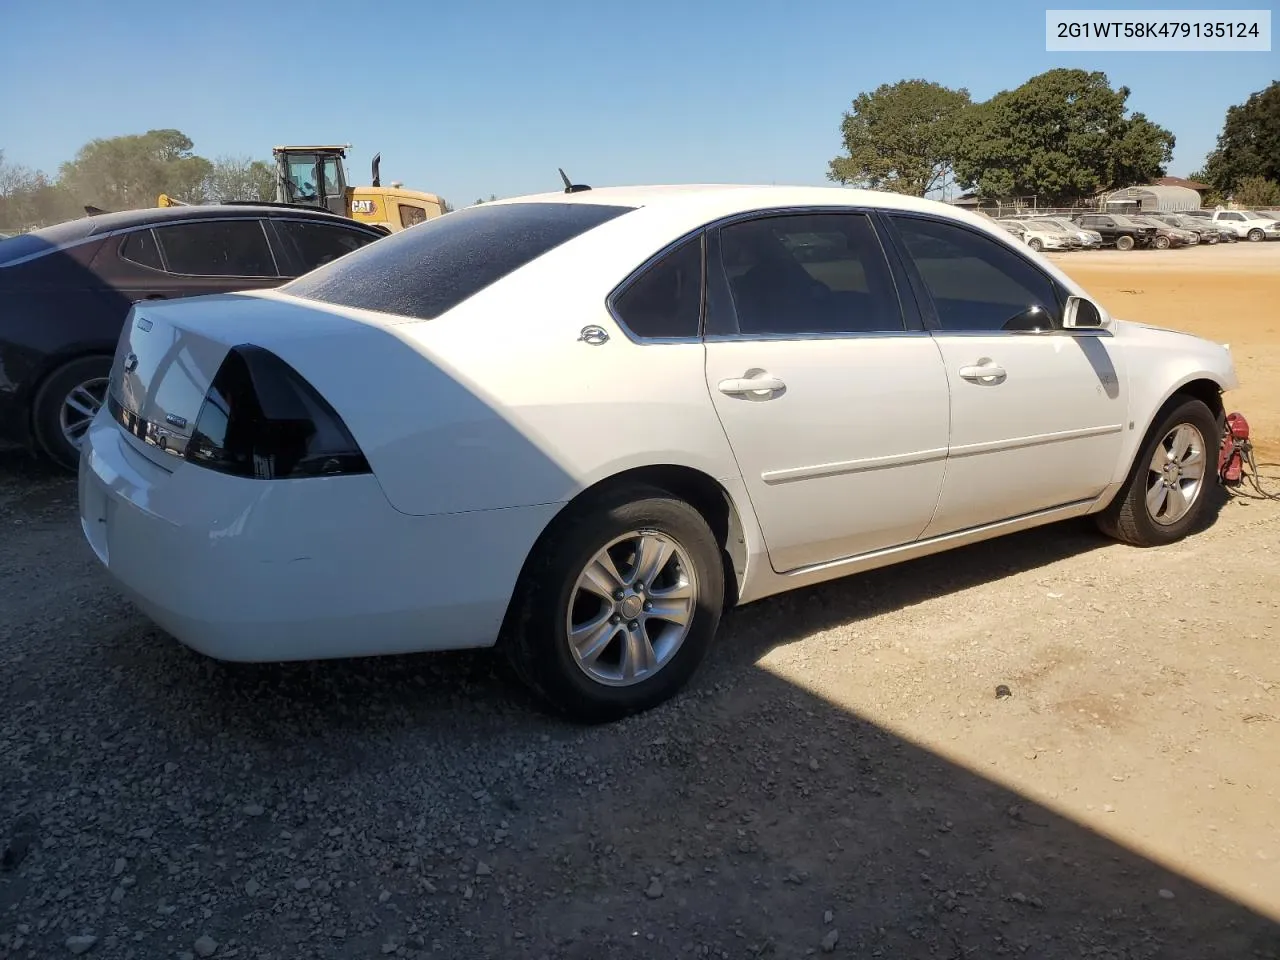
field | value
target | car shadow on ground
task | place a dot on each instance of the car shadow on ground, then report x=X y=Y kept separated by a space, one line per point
x=748 y=818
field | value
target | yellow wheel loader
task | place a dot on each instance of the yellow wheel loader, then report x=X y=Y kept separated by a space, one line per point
x=314 y=176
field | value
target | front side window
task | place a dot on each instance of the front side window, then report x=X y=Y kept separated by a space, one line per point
x=429 y=270
x=666 y=300
x=821 y=273
x=1232 y=216
x=304 y=177
x=314 y=244
x=217 y=248
x=140 y=247
x=977 y=284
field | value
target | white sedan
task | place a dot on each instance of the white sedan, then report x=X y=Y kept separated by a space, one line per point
x=578 y=425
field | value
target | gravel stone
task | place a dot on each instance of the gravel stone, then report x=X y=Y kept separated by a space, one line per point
x=829 y=940
x=81 y=944
x=206 y=946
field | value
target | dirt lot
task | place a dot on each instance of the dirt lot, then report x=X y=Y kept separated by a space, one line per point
x=841 y=775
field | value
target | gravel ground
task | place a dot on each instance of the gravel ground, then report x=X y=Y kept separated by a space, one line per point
x=842 y=778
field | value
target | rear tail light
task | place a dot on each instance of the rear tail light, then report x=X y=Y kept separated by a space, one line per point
x=261 y=419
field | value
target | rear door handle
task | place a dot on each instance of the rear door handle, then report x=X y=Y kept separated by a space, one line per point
x=751 y=385
x=984 y=371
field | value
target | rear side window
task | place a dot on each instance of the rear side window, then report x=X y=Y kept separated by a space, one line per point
x=217 y=248
x=411 y=215
x=315 y=244
x=665 y=300
x=426 y=271
x=140 y=247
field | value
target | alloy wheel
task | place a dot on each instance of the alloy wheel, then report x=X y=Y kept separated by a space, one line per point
x=631 y=608
x=1175 y=476
x=80 y=406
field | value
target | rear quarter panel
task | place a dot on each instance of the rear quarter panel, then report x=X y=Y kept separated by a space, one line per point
x=499 y=403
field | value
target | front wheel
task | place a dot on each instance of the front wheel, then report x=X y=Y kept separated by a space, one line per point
x=1256 y=235
x=66 y=404
x=1167 y=491
x=1161 y=243
x=1211 y=239
x=1035 y=244
x=618 y=605
x=1124 y=243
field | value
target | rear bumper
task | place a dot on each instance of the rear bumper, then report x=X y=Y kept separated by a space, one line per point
x=255 y=570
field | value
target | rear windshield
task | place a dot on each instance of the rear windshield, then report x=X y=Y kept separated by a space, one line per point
x=430 y=268
x=38 y=241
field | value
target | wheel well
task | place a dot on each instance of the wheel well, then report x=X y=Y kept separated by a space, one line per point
x=53 y=370
x=705 y=495
x=1207 y=392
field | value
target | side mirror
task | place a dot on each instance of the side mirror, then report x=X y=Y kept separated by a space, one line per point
x=1082 y=313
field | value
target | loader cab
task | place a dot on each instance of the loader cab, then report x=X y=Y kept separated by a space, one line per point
x=312 y=176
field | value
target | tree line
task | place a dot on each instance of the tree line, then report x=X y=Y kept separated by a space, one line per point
x=123 y=173
x=1061 y=136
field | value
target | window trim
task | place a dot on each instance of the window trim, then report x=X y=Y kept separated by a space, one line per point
x=911 y=319
x=260 y=221
x=929 y=308
x=634 y=276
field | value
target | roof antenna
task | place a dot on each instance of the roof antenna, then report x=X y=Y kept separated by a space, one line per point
x=571 y=187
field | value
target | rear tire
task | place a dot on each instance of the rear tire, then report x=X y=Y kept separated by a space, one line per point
x=630 y=650
x=64 y=406
x=1167 y=491
x=1124 y=243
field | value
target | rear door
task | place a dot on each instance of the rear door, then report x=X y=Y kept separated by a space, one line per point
x=834 y=403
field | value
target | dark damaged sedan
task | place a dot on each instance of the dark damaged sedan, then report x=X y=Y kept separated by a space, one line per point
x=65 y=292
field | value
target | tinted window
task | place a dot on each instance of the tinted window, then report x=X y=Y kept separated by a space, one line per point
x=432 y=268
x=140 y=247
x=809 y=273
x=411 y=215
x=217 y=248
x=313 y=244
x=977 y=283
x=666 y=300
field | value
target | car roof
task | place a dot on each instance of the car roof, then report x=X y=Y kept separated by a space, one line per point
x=124 y=219
x=726 y=199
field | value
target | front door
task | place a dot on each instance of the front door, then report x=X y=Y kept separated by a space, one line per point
x=1037 y=412
x=836 y=412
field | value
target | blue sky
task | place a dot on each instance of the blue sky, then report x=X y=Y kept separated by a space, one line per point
x=477 y=97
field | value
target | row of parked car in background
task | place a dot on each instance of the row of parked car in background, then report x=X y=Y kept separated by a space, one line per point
x=1149 y=230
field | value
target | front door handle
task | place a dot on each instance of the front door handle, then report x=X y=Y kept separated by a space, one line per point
x=984 y=371
x=756 y=386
